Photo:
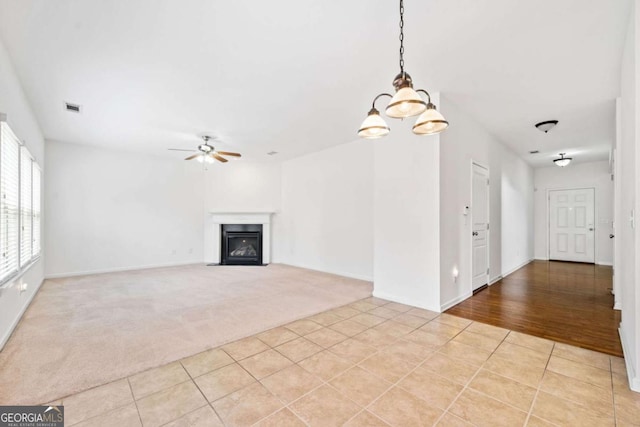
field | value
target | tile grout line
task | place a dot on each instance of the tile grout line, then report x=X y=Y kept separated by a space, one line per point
x=323 y=382
x=135 y=401
x=466 y=386
x=535 y=397
x=210 y=404
x=613 y=394
x=362 y=409
x=408 y=373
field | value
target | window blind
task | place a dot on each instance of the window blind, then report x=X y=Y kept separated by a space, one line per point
x=37 y=215
x=26 y=205
x=9 y=202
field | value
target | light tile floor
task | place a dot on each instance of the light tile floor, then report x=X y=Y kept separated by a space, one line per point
x=372 y=363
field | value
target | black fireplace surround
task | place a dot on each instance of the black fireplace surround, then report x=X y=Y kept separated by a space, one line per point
x=241 y=244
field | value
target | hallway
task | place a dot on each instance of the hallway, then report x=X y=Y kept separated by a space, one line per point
x=562 y=301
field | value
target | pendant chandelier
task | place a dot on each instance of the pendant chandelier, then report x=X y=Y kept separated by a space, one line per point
x=406 y=102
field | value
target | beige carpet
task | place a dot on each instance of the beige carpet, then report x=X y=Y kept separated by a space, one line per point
x=85 y=331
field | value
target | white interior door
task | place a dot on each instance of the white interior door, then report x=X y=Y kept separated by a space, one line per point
x=480 y=226
x=571 y=225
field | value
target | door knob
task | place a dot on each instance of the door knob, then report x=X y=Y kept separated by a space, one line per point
x=475 y=233
x=611 y=236
x=591 y=229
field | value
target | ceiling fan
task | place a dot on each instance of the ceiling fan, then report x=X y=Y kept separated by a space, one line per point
x=207 y=153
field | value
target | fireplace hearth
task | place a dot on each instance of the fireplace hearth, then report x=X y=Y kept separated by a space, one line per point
x=241 y=244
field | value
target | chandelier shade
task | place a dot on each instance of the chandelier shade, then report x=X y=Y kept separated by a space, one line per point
x=373 y=126
x=430 y=122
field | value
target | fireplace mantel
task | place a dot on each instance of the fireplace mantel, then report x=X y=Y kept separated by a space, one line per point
x=244 y=217
x=213 y=236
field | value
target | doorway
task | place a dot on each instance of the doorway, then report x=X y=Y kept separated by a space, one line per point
x=479 y=226
x=571 y=225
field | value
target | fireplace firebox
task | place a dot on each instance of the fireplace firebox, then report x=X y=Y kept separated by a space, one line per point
x=241 y=244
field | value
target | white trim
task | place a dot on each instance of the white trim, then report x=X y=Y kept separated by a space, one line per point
x=610 y=264
x=513 y=270
x=15 y=322
x=120 y=269
x=402 y=300
x=495 y=279
x=634 y=382
x=541 y=259
x=337 y=273
x=447 y=305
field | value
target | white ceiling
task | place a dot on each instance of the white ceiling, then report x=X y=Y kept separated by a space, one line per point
x=298 y=76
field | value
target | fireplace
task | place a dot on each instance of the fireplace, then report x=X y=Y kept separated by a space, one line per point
x=241 y=244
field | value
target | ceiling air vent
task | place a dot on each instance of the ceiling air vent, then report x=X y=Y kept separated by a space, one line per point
x=534 y=152
x=74 y=108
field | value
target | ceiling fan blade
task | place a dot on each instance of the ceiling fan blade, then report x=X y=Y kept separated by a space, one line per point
x=192 y=156
x=179 y=149
x=228 y=153
x=219 y=158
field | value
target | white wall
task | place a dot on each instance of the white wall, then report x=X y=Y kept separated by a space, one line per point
x=13 y=103
x=241 y=185
x=516 y=200
x=108 y=210
x=627 y=156
x=327 y=211
x=406 y=217
x=595 y=175
x=510 y=211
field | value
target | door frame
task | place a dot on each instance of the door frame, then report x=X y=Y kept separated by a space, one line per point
x=469 y=236
x=595 y=220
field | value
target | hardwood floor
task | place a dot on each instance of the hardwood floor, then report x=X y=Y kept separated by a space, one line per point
x=562 y=301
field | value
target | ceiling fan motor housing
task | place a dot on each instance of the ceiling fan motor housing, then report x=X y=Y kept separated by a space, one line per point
x=205 y=148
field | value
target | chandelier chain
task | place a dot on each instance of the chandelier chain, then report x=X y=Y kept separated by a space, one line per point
x=402 y=36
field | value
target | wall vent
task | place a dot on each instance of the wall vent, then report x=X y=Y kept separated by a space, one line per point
x=534 y=151
x=74 y=108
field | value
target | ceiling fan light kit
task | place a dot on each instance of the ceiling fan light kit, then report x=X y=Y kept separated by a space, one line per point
x=406 y=102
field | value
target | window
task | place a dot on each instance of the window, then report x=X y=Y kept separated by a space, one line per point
x=20 y=214
x=26 y=202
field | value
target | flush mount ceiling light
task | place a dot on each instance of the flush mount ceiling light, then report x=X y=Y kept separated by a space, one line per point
x=546 y=126
x=563 y=161
x=406 y=102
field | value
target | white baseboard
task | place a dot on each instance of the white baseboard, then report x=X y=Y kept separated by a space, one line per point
x=15 y=321
x=405 y=301
x=119 y=269
x=541 y=259
x=508 y=272
x=447 y=305
x=607 y=263
x=494 y=280
x=337 y=273
x=634 y=381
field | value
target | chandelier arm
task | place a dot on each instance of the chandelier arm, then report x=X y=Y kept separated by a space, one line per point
x=373 y=104
x=426 y=93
